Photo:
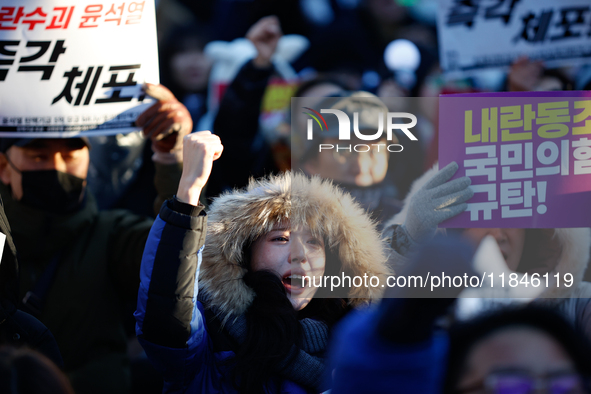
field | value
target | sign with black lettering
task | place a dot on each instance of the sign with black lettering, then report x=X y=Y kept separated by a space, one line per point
x=482 y=34
x=71 y=68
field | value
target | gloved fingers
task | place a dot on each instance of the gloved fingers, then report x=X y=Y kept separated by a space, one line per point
x=453 y=199
x=442 y=175
x=451 y=187
x=451 y=211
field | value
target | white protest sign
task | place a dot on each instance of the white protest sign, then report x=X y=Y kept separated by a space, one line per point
x=481 y=34
x=75 y=67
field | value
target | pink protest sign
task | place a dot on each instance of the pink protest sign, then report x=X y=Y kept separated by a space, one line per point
x=528 y=155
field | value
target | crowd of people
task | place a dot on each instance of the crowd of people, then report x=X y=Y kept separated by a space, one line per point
x=189 y=265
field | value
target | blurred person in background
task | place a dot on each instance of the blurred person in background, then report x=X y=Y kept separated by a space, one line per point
x=530 y=76
x=237 y=120
x=518 y=350
x=185 y=68
x=368 y=176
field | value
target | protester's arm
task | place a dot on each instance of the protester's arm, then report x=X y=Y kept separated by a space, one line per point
x=237 y=120
x=239 y=110
x=169 y=318
x=165 y=123
x=170 y=265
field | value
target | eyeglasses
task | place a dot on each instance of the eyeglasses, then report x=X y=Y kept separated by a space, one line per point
x=524 y=383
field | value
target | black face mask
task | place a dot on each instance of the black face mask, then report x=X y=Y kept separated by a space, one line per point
x=52 y=190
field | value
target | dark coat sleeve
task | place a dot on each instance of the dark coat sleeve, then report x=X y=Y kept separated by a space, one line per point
x=167 y=299
x=237 y=123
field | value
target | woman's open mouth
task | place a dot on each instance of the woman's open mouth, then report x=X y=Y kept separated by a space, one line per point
x=295 y=283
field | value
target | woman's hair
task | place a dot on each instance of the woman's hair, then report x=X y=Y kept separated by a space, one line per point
x=273 y=324
x=465 y=336
x=25 y=371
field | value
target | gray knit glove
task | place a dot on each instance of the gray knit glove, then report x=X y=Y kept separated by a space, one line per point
x=436 y=201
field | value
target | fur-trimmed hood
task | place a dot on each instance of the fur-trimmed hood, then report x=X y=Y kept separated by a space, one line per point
x=240 y=217
x=573 y=244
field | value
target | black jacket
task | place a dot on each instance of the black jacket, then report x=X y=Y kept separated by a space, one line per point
x=18 y=328
x=246 y=153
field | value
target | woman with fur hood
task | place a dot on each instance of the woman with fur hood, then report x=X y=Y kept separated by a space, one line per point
x=228 y=311
x=433 y=199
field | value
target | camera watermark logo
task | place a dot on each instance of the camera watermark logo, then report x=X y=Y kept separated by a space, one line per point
x=344 y=128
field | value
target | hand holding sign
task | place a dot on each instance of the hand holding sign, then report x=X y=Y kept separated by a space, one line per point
x=166 y=122
x=524 y=75
x=436 y=201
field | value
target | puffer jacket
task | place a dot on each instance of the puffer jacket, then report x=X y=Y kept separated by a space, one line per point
x=180 y=262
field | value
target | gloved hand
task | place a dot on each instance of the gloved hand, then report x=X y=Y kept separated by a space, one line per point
x=436 y=201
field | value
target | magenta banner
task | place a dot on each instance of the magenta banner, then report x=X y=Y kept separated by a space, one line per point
x=528 y=155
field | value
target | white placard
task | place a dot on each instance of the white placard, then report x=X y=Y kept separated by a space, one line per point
x=75 y=67
x=482 y=34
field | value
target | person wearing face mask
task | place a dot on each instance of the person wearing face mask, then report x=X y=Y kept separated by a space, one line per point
x=222 y=306
x=79 y=266
x=434 y=198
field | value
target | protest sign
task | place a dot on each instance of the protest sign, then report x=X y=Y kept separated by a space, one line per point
x=528 y=156
x=72 y=68
x=476 y=35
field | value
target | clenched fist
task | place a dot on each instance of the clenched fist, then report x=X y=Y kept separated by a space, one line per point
x=200 y=149
x=265 y=35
